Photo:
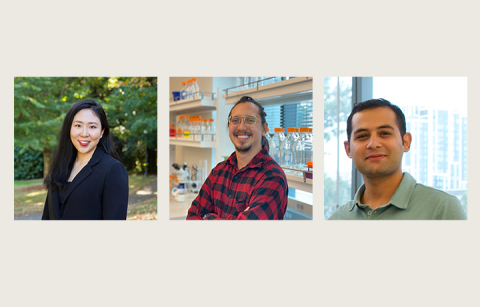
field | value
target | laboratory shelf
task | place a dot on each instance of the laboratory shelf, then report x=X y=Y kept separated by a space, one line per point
x=193 y=105
x=192 y=143
x=298 y=182
x=287 y=91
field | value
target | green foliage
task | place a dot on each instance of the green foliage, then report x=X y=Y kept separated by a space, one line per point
x=28 y=163
x=130 y=104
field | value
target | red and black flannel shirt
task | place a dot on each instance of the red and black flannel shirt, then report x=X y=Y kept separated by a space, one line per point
x=259 y=191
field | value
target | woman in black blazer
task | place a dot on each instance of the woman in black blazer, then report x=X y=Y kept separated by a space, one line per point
x=86 y=181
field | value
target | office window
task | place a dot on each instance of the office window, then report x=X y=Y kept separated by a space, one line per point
x=337 y=166
x=438 y=154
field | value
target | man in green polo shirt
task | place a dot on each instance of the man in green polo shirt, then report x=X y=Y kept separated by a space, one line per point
x=377 y=139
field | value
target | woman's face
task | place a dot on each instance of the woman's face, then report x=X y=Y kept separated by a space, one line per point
x=86 y=131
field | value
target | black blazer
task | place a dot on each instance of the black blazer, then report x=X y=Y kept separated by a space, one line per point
x=98 y=192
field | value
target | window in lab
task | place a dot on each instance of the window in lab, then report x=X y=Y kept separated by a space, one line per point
x=296 y=115
x=438 y=154
x=337 y=166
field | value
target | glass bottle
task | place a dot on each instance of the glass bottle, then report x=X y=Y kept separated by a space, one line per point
x=213 y=128
x=286 y=149
x=183 y=92
x=309 y=147
x=180 y=124
x=300 y=162
x=187 y=127
x=275 y=144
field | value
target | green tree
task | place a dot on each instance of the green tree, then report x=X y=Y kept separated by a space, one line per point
x=133 y=106
x=41 y=104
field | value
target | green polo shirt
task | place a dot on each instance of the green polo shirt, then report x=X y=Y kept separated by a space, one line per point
x=411 y=201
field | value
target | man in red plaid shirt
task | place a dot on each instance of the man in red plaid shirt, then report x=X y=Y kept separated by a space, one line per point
x=249 y=185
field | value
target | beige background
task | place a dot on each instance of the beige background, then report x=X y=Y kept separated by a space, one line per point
x=294 y=263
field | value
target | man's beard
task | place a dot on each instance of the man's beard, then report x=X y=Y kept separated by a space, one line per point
x=244 y=149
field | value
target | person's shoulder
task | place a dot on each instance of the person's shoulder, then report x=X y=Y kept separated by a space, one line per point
x=344 y=212
x=109 y=164
x=434 y=195
x=444 y=205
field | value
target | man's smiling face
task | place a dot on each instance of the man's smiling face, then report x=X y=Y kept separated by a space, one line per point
x=376 y=145
x=246 y=137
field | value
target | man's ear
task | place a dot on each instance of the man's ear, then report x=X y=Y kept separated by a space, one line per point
x=347 y=148
x=407 y=141
x=265 y=127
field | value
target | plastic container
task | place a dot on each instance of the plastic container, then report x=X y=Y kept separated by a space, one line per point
x=176 y=96
x=310 y=169
x=172 y=131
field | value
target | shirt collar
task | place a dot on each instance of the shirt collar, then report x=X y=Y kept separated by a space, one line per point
x=400 y=198
x=256 y=161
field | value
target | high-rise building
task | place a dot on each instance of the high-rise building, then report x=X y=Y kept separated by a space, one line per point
x=438 y=154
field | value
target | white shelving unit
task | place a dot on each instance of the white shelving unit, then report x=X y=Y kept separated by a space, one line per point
x=192 y=143
x=205 y=102
x=193 y=105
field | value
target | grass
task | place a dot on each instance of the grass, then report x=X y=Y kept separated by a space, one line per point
x=32 y=200
x=25 y=183
x=145 y=210
x=27 y=202
x=136 y=181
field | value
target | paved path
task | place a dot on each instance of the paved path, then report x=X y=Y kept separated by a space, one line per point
x=146 y=192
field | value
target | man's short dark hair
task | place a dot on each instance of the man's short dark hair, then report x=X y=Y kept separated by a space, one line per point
x=373 y=104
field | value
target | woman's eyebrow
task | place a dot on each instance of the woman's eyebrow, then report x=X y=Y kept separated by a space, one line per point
x=79 y=121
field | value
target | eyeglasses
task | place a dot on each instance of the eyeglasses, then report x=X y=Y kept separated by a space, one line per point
x=249 y=120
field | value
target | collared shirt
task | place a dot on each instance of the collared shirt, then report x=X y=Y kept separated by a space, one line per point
x=258 y=191
x=411 y=201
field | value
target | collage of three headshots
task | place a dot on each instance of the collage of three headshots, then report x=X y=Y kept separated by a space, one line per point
x=240 y=148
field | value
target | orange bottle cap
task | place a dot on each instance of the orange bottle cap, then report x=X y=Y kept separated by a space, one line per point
x=304 y=129
x=180 y=117
x=310 y=164
x=210 y=120
x=278 y=129
x=290 y=130
x=187 y=116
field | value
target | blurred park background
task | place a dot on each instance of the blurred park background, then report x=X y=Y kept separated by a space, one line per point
x=40 y=107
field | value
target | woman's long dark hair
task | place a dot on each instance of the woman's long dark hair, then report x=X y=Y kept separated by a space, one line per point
x=261 y=112
x=65 y=153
